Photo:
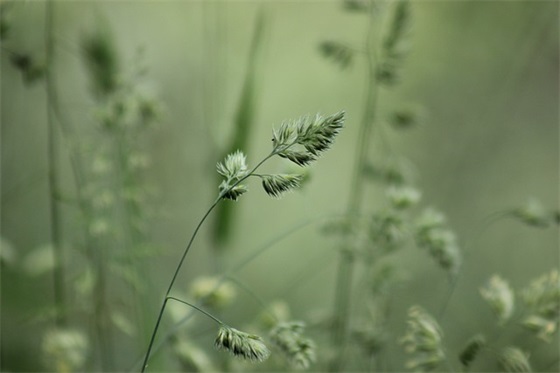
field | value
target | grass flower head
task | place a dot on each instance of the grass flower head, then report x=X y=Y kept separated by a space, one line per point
x=247 y=346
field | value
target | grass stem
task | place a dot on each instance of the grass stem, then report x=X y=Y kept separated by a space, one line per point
x=162 y=309
x=180 y=264
x=53 y=174
x=345 y=274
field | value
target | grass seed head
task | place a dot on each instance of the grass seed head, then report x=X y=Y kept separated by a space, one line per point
x=240 y=344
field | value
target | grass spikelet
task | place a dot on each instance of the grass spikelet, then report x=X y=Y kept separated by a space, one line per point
x=100 y=55
x=339 y=53
x=314 y=134
x=276 y=185
x=512 y=359
x=299 y=158
x=424 y=340
x=394 y=47
x=471 y=350
x=500 y=297
x=542 y=298
x=297 y=349
x=440 y=242
x=234 y=166
x=240 y=344
x=65 y=350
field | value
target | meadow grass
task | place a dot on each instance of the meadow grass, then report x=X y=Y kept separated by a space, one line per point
x=107 y=315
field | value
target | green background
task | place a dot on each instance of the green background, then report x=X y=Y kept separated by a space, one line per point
x=486 y=73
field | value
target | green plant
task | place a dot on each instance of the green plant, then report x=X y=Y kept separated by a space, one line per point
x=306 y=138
x=384 y=51
x=110 y=197
x=416 y=289
x=368 y=243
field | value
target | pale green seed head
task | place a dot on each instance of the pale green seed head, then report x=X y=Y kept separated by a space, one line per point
x=247 y=346
x=499 y=295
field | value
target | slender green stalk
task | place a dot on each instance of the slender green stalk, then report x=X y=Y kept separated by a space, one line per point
x=55 y=116
x=131 y=236
x=162 y=309
x=198 y=309
x=345 y=274
x=101 y=315
x=53 y=174
x=315 y=135
x=256 y=253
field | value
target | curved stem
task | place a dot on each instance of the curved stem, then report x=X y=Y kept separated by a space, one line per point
x=265 y=307
x=198 y=309
x=166 y=298
x=162 y=309
x=243 y=263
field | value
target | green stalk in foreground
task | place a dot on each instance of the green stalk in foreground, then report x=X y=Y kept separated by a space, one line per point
x=301 y=141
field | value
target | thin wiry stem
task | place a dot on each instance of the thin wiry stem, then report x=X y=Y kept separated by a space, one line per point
x=234 y=269
x=346 y=262
x=187 y=249
x=198 y=309
x=162 y=309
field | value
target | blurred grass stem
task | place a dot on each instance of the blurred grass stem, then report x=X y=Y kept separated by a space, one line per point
x=55 y=116
x=166 y=298
x=53 y=173
x=345 y=274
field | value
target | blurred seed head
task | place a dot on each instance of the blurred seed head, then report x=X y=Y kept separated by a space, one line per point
x=424 y=340
x=298 y=350
x=357 y=5
x=499 y=295
x=191 y=357
x=542 y=298
x=337 y=52
x=389 y=171
x=387 y=230
x=31 y=68
x=240 y=344
x=210 y=292
x=407 y=117
x=277 y=311
x=39 y=261
x=402 y=197
x=471 y=350
x=101 y=59
x=534 y=214
x=7 y=252
x=543 y=327
x=512 y=359
x=438 y=241
x=64 y=350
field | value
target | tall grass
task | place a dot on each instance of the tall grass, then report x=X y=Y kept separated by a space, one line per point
x=102 y=306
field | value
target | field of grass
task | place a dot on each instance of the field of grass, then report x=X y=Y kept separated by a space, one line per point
x=356 y=185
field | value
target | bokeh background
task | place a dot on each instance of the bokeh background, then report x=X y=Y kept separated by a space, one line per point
x=485 y=73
